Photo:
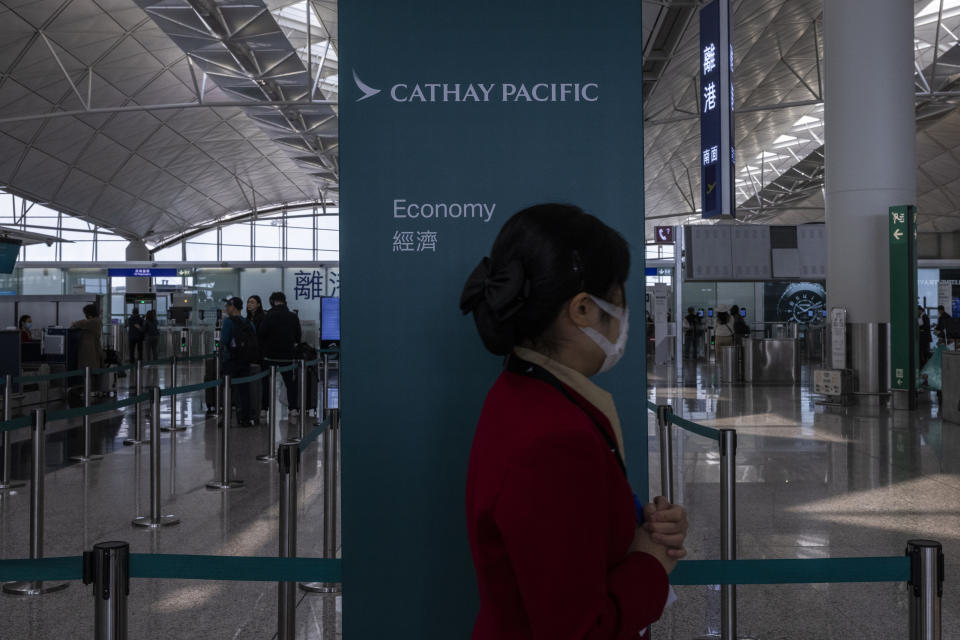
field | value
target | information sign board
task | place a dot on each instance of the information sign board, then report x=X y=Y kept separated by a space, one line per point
x=903 y=300
x=717 y=156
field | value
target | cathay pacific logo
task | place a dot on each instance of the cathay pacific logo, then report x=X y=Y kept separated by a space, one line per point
x=368 y=91
x=484 y=91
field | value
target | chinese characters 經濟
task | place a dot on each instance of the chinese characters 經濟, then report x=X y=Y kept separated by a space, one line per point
x=414 y=241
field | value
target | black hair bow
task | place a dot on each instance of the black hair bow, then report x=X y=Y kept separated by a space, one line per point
x=504 y=289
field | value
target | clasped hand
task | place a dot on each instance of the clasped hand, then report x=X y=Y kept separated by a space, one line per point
x=663 y=532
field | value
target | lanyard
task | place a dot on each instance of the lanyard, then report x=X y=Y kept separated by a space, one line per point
x=518 y=365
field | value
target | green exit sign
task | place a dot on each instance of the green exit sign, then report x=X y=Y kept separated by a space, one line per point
x=903 y=299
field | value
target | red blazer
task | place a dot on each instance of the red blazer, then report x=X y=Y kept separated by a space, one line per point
x=550 y=517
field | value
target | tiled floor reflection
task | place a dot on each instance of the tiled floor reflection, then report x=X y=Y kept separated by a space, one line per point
x=811 y=483
x=95 y=502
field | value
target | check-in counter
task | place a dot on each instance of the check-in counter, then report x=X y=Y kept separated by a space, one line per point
x=771 y=361
x=950 y=385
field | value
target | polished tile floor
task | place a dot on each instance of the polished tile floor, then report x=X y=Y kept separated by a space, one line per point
x=93 y=502
x=812 y=483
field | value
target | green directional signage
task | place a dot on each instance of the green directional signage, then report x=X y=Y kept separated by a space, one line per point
x=903 y=299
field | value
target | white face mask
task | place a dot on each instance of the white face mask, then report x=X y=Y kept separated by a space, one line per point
x=615 y=350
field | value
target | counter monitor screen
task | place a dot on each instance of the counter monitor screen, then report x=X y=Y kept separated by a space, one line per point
x=699 y=313
x=823 y=313
x=710 y=312
x=743 y=313
x=330 y=319
x=9 y=250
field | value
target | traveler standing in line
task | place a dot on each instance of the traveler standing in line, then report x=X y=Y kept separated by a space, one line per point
x=561 y=546
x=151 y=335
x=943 y=322
x=740 y=327
x=925 y=334
x=255 y=315
x=279 y=333
x=723 y=329
x=691 y=330
x=255 y=312
x=90 y=344
x=24 y=325
x=135 y=335
x=240 y=350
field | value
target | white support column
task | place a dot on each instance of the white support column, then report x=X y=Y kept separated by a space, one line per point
x=870 y=141
x=870 y=132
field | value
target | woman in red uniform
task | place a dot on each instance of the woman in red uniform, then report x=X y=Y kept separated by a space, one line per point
x=553 y=524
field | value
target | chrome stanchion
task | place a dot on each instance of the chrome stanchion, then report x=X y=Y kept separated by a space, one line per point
x=138 y=432
x=303 y=398
x=272 y=419
x=331 y=442
x=324 y=403
x=107 y=567
x=87 y=455
x=5 y=482
x=288 y=460
x=173 y=400
x=224 y=482
x=728 y=529
x=926 y=588
x=155 y=519
x=217 y=410
x=666 y=451
x=37 y=467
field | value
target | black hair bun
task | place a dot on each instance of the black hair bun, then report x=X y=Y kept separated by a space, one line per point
x=494 y=294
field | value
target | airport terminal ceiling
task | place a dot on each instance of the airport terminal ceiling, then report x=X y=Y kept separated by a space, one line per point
x=80 y=131
x=81 y=83
x=778 y=52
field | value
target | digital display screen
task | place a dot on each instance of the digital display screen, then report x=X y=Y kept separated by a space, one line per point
x=330 y=319
x=709 y=313
x=9 y=250
x=743 y=313
x=700 y=312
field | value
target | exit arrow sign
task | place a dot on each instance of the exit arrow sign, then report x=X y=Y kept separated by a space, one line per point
x=897 y=234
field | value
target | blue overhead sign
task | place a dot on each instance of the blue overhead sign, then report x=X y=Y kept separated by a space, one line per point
x=717 y=155
x=142 y=273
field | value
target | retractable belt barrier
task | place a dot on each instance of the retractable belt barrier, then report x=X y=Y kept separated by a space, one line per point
x=727 y=441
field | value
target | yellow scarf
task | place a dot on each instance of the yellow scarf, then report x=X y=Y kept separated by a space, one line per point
x=580 y=383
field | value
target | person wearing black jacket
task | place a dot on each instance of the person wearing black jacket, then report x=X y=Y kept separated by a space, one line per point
x=925 y=334
x=278 y=335
x=740 y=327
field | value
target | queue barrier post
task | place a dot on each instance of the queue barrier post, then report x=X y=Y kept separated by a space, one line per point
x=926 y=588
x=288 y=462
x=326 y=389
x=217 y=411
x=37 y=468
x=173 y=399
x=728 y=529
x=107 y=568
x=302 y=392
x=5 y=482
x=665 y=429
x=87 y=455
x=156 y=518
x=331 y=440
x=137 y=438
x=224 y=483
x=272 y=419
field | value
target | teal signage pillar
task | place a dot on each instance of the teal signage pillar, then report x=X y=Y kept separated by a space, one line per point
x=454 y=116
x=904 y=344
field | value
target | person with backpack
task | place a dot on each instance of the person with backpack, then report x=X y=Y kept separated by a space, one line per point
x=279 y=333
x=239 y=350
